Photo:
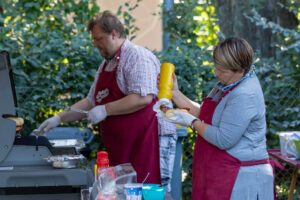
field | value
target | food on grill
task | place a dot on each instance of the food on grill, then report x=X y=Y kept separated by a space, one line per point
x=19 y=121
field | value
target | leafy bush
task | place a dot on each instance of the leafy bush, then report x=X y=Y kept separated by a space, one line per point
x=49 y=49
x=192 y=27
x=52 y=55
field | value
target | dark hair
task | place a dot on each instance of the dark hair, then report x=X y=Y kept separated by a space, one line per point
x=108 y=22
x=234 y=54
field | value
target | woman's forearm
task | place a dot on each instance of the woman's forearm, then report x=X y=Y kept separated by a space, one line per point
x=184 y=102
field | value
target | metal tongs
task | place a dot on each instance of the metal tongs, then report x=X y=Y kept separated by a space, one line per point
x=76 y=110
x=37 y=132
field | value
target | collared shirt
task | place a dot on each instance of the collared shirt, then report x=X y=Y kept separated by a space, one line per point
x=137 y=73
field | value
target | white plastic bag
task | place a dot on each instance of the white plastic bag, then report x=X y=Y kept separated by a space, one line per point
x=111 y=181
x=291 y=147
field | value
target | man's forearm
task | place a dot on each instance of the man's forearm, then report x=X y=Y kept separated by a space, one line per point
x=70 y=116
x=128 y=104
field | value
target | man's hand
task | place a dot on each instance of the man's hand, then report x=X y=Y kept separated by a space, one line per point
x=181 y=118
x=49 y=124
x=97 y=114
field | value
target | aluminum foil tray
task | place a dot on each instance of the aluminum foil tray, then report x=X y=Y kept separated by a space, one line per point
x=68 y=164
x=66 y=161
x=79 y=143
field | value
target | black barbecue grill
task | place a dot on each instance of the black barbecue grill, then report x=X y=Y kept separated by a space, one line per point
x=24 y=172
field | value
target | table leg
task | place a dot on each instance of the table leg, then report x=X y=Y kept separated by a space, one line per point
x=293 y=183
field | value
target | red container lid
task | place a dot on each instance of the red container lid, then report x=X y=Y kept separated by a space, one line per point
x=102 y=154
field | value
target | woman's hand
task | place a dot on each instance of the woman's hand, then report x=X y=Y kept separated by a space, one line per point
x=181 y=118
x=175 y=89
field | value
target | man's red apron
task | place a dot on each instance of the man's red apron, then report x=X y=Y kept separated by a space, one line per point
x=214 y=170
x=131 y=138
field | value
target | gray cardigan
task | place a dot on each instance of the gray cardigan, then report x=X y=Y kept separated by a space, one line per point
x=239 y=123
x=239 y=127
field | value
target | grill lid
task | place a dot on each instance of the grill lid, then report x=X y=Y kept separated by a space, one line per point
x=8 y=104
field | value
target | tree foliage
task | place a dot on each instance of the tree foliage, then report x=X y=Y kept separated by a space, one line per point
x=52 y=55
x=49 y=49
x=280 y=77
x=192 y=27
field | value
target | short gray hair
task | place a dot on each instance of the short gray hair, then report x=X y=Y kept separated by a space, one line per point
x=234 y=54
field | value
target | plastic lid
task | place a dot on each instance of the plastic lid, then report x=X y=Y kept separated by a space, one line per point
x=102 y=154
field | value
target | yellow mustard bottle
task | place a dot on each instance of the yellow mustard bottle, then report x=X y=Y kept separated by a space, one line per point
x=166 y=81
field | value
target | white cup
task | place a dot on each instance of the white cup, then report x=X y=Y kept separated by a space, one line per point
x=133 y=191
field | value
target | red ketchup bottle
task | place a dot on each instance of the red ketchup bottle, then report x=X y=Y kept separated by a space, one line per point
x=102 y=165
x=102 y=161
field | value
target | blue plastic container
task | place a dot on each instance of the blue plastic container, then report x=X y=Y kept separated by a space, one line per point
x=150 y=185
x=153 y=192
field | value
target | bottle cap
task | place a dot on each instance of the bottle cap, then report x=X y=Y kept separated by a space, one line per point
x=102 y=159
x=102 y=154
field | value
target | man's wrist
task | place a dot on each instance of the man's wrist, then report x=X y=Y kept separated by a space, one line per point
x=58 y=118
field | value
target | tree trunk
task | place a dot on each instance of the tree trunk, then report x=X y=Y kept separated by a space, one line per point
x=234 y=23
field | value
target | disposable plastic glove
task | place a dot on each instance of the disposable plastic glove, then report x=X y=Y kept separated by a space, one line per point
x=49 y=124
x=159 y=103
x=181 y=118
x=97 y=114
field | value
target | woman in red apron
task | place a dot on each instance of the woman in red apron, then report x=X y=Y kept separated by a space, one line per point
x=230 y=156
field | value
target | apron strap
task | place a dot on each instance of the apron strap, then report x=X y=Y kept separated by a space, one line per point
x=256 y=162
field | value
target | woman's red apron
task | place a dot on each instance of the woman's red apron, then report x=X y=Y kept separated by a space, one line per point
x=131 y=138
x=214 y=170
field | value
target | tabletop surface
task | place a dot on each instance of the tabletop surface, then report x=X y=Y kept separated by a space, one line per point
x=276 y=153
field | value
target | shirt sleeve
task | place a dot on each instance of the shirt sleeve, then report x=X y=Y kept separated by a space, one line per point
x=235 y=118
x=90 y=96
x=141 y=73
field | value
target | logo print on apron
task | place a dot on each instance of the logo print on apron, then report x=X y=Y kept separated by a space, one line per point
x=102 y=94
